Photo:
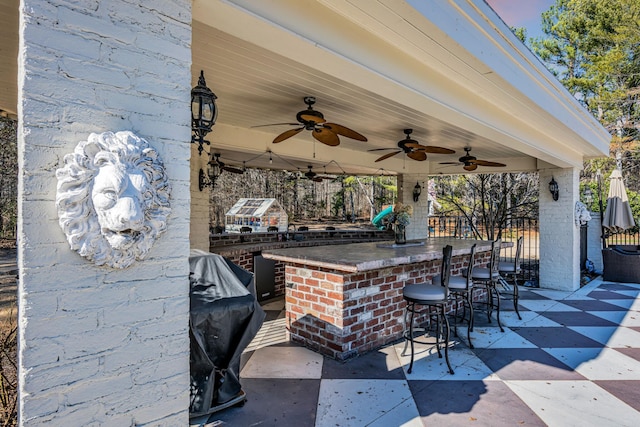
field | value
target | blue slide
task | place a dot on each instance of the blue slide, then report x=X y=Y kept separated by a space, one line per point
x=377 y=221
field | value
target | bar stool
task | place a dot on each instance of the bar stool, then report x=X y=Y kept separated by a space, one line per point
x=489 y=276
x=462 y=287
x=511 y=270
x=433 y=297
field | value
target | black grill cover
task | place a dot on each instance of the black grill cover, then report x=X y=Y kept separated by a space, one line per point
x=225 y=317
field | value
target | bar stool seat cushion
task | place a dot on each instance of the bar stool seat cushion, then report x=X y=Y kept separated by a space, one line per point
x=484 y=273
x=508 y=267
x=455 y=282
x=424 y=293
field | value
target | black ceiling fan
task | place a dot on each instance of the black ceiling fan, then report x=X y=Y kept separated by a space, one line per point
x=471 y=163
x=314 y=121
x=412 y=148
x=313 y=176
x=215 y=161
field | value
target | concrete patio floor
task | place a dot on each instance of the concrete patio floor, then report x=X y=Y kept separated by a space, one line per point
x=573 y=360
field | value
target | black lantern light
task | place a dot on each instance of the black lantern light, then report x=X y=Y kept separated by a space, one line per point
x=214 y=169
x=203 y=112
x=553 y=188
x=417 y=190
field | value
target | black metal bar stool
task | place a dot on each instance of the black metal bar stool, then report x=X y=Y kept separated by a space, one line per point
x=434 y=298
x=489 y=276
x=511 y=270
x=462 y=287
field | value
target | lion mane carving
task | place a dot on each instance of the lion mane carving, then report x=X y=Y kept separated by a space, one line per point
x=113 y=198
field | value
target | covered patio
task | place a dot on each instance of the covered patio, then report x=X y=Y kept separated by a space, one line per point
x=573 y=360
x=110 y=346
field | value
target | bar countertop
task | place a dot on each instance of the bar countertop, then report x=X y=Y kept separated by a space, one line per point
x=357 y=257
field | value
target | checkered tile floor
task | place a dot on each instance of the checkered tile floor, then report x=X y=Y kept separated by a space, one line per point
x=573 y=360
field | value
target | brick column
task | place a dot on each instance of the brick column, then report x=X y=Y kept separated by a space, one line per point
x=559 y=235
x=102 y=346
x=419 y=227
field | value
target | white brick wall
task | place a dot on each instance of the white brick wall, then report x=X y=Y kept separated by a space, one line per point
x=419 y=226
x=100 y=346
x=559 y=236
x=199 y=223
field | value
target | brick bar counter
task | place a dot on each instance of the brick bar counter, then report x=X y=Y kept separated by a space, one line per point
x=345 y=300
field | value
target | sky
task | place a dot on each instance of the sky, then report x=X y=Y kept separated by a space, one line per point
x=522 y=13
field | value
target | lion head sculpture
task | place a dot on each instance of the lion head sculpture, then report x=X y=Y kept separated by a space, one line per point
x=113 y=198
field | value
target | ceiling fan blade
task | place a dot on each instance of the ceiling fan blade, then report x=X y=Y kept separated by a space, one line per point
x=326 y=136
x=417 y=155
x=386 y=156
x=381 y=149
x=470 y=167
x=450 y=163
x=345 y=131
x=276 y=124
x=429 y=148
x=287 y=134
x=488 y=163
x=312 y=118
x=232 y=169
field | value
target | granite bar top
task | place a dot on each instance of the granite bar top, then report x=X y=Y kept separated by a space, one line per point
x=357 y=257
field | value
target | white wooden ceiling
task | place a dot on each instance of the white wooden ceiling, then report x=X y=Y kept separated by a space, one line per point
x=377 y=67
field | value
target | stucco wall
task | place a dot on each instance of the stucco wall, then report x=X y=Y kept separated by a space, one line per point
x=99 y=346
x=559 y=235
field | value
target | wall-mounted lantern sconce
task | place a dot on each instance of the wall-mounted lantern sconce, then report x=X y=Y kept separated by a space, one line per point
x=208 y=179
x=203 y=112
x=553 y=188
x=417 y=190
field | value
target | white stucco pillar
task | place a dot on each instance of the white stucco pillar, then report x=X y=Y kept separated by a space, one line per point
x=559 y=235
x=99 y=345
x=419 y=226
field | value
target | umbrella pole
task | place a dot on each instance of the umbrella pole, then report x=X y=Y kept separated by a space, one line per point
x=599 y=181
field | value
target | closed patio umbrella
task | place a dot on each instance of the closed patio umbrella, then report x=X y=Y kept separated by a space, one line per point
x=617 y=216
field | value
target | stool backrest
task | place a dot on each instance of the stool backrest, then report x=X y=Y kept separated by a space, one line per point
x=445 y=268
x=472 y=262
x=494 y=263
x=516 y=261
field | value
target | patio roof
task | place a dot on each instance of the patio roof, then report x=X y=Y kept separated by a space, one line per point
x=452 y=71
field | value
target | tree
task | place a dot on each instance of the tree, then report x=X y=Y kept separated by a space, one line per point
x=488 y=202
x=593 y=47
x=8 y=177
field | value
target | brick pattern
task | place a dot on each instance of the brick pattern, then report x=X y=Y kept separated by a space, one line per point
x=101 y=346
x=559 y=235
x=343 y=314
x=240 y=248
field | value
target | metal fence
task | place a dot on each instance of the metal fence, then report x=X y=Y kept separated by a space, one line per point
x=629 y=237
x=460 y=227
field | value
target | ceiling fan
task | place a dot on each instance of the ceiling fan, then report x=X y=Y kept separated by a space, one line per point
x=313 y=120
x=412 y=148
x=310 y=174
x=471 y=163
x=215 y=161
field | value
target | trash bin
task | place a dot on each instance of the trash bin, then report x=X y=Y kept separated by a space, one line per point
x=224 y=317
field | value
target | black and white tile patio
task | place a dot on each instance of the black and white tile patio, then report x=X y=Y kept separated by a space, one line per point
x=573 y=359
